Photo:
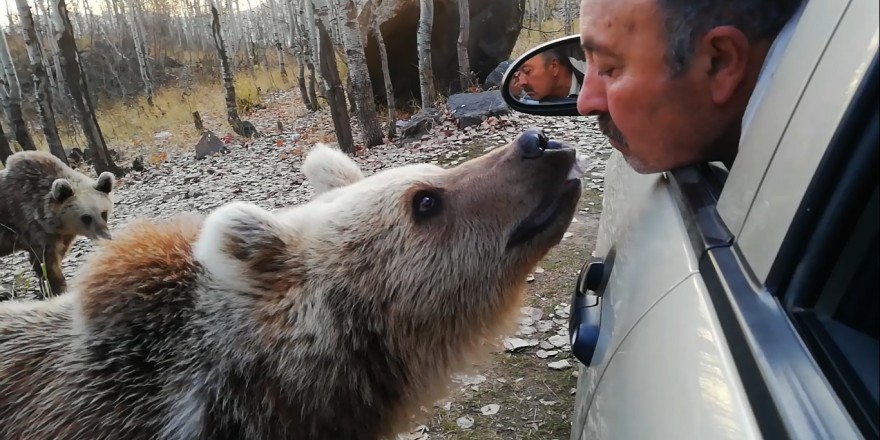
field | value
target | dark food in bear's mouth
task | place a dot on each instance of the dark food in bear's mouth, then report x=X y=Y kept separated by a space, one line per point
x=546 y=212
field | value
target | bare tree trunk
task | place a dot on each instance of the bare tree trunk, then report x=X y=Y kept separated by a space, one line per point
x=313 y=54
x=362 y=89
x=5 y=149
x=335 y=94
x=568 y=20
x=10 y=95
x=386 y=74
x=426 y=69
x=228 y=81
x=280 y=49
x=298 y=41
x=51 y=29
x=140 y=49
x=464 y=32
x=41 y=80
x=79 y=92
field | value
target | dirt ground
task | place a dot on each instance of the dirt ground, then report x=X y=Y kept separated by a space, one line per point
x=533 y=401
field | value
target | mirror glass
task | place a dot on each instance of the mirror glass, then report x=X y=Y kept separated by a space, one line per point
x=550 y=76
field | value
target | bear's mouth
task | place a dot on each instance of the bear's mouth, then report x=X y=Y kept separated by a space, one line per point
x=550 y=209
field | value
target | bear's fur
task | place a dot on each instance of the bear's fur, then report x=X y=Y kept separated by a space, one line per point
x=44 y=205
x=336 y=319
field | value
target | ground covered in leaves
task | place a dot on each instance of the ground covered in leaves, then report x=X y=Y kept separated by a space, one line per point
x=525 y=391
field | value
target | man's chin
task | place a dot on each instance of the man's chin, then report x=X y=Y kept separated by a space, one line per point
x=639 y=166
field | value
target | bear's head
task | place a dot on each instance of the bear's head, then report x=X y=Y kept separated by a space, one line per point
x=418 y=245
x=84 y=205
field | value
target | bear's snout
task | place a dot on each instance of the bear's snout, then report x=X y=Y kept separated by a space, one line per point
x=532 y=143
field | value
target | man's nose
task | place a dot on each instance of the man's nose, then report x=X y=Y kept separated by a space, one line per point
x=592 y=99
x=532 y=143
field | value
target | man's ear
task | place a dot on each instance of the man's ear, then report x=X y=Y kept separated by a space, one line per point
x=726 y=49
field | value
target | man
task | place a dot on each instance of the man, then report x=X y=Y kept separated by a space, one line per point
x=670 y=80
x=549 y=76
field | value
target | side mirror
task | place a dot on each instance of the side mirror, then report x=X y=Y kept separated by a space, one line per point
x=529 y=87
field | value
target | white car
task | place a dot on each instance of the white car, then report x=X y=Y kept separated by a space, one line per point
x=744 y=303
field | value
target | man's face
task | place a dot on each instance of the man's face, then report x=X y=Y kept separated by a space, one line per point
x=538 y=78
x=657 y=120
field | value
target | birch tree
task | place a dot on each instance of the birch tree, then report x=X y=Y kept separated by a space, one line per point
x=386 y=74
x=5 y=149
x=298 y=41
x=137 y=36
x=464 y=31
x=40 y=80
x=228 y=80
x=71 y=68
x=10 y=95
x=335 y=94
x=362 y=89
x=426 y=69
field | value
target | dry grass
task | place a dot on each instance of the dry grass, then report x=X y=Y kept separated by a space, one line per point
x=134 y=123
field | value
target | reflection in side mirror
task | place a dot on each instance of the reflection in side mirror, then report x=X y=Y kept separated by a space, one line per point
x=547 y=79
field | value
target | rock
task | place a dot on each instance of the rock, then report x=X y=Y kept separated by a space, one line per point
x=542 y=354
x=546 y=345
x=567 y=235
x=559 y=365
x=465 y=422
x=530 y=278
x=558 y=341
x=544 y=326
x=138 y=164
x=419 y=123
x=490 y=409
x=539 y=270
x=469 y=380
x=514 y=344
x=162 y=136
x=209 y=144
x=532 y=312
x=493 y=80
x=495 y=28
x=469 y=109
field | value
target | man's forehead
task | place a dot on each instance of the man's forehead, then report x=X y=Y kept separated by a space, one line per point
x=606 y=22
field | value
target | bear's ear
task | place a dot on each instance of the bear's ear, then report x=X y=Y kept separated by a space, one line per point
x=61 y=190
x=328 y=168
x=240 y=244
x=105 y=182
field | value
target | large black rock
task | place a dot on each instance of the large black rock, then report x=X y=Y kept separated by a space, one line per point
x=495 y=27
x=471 y=108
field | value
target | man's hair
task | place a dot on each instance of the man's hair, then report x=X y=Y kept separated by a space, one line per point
x=685 y=21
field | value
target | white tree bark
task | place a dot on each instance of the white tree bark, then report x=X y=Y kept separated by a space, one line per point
x=10 y=95
x=464 y=31
x=426 y=68
x=139 y=48
x=386 y=74
x=361 y=87
x=41 y=80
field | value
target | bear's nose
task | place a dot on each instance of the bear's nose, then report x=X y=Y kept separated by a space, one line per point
x=532 y=144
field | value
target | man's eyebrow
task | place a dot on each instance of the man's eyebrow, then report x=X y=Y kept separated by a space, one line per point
x=591 y=46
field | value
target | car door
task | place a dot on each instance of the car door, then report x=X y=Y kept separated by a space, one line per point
x=669 y=358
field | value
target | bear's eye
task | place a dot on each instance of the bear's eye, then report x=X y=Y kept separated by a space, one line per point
x=104 y=216
x=425 y=204
x=86 y=219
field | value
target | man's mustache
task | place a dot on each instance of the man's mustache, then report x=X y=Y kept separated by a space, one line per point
x=608 y=128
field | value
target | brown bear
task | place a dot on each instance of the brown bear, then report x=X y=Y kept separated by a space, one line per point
x=335 y=319
x=44 y=205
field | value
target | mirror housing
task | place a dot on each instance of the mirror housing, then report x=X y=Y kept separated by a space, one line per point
x=517 y=95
